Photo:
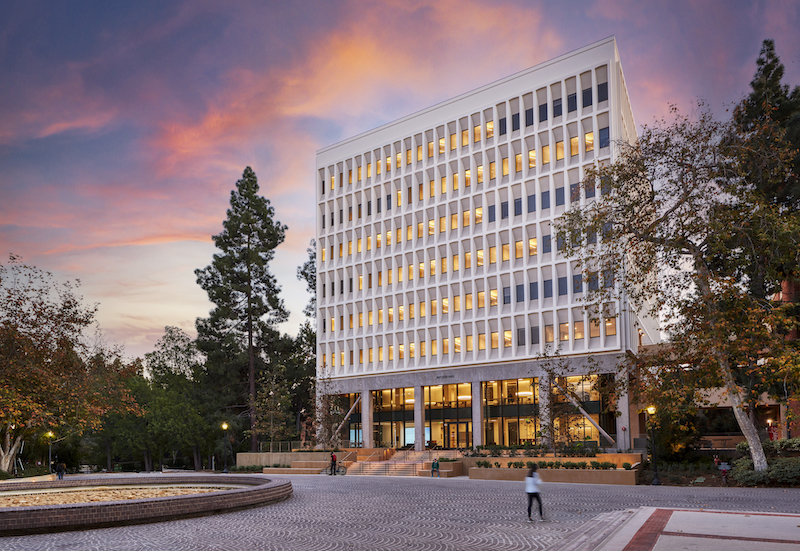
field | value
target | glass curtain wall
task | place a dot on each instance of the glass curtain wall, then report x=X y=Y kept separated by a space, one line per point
x=568 y=424
x=354 y=422
x=448 y=416
x=393 y=417
x=511 y=412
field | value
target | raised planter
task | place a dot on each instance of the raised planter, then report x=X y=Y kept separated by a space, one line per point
x=619 y=477
x=447 y=469
x=255 y=491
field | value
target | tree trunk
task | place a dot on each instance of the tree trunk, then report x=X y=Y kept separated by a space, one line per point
x=8 y=451
x=109 y=466
x=198 y=462
x=745 y=423
x=251 y=357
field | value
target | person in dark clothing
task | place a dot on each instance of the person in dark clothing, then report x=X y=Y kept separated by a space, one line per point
x=532 y=483
x=333 y=464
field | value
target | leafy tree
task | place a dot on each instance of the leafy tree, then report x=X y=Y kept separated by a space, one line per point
x=308 y=273
x=274 y=406
x=52 y=377
x=673 y=234
x=244 y=291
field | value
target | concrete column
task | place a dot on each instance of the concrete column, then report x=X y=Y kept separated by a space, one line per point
x=623 y=422
x=419 y=419
x=544 y=409
x=366 y=418
x=477 y=414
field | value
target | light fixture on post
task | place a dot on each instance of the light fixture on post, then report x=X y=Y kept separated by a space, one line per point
x=50 y=435
x=225 y=447
x=651 y=411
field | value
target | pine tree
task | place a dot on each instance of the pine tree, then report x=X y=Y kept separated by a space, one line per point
x=244 y=291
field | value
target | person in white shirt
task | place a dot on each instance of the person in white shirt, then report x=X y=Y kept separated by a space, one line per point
x=532 y=483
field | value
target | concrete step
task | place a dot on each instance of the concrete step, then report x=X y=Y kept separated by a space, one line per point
x=597 y=531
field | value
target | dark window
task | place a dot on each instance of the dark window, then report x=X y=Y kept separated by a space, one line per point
x=502 y=126
x=323 y=221
x=587 y=97
x=545 y=200
x=577 y=283
x=333 y=220
x=515 y=122
x=491 y=213
x=504 y=210
x=517 y=207
x=531 y=203
x=359 y=210
x=546 y=244
x=506 y=295
x=548 y=288
x=562 y=286
x=604 y=138
x=543 y=112
x=559 y=243
x=389 y=202
x=593 y=282
x=602 y=92
x=559 y=196
x=572 y=103
x=351 y=284
x=607 y=227
x=608 y=278
x=590 y=189
x=533 y=290
x=341 y=216
x=323 y=186
x=605 y=185
x=324 y=291
x=333 y=288
x=379 y=204
x=341 y=287
x=591 y=237
x=520 y=293
x=574 y=193
x=535 y=334
x=528 y=122
x=557 y=107
x=350 y=213
x=520 y=336
x=369 y=208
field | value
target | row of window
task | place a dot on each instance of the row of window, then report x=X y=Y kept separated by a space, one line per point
x=475 y=134
x=491 y=339
x=454 y=181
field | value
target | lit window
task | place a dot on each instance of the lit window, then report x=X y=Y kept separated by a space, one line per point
x=388 y=163
x=573 y=146
x=431 y=227
x=380 y=353
x=457 y=303
x=559 y=150
x=478 y=215
x=578 y=332
x=419 y=229
x=351 y=321
x=506 y=252
x=588 y=141
x=350 y=178
x=391 y=313
x=453 y=142
x=479 y=257
x=445 y=305
x=361 y=319
x=455 y=262
x=489 y=129
x=518 y=249
x=482 y=341
x=465 y=216
x=518 y=162
x=411 y=311
x=399 y=160
x=433 y=267
x=442 y=224
x=323 y=254
x=349 y=248
x=400 y=274
x=358 y=245
x=430 y=149
x=549 y=336
x=532 y=158
x=594 y=328
x=369 y=170
x=492 y=255
x=422 y=349
x=433 y=347
x=465 y=137
x=611 y=327
x=505 y=166
x=380 y=278
x=409 y=232
x=493 y=297
x=477 y=133
x=457 y=345
x=341 y=250
x=408 y=156
x=369 y=317
x=399 y=198
x=378 y=166
x=455 y=181
x=468 y=301
x=419 y=153
x=467 y=178
x=411 y=350
x=467 y=260
x=380 y=315
x=444 y=185
x=369 y=242
x=481 y=299
x=411 y=273
x=507 y=339
x=563 y=332
x=495 y=340
x=545 y=154
x=441 y=145
x=492 y=170
x=421 y=270
x=431 y=189
x=453 y=221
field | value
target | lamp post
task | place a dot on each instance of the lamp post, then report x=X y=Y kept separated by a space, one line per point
x=225 y=447
x=49 y=434
x=651 y=410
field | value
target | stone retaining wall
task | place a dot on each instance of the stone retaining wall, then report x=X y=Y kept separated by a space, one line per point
x=81 y=516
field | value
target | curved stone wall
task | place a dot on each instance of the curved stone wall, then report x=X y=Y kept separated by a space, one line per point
x=80 y=516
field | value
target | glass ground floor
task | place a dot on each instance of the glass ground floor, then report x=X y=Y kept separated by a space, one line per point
x=510 y=412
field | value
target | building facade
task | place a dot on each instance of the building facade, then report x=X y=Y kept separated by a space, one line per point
x=440 y=285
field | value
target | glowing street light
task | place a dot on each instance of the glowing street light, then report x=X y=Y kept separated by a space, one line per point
x=225 y=446
x=651 y=410
x=50 y=435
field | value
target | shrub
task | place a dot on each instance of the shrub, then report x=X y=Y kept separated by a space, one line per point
x=595 y=464
x=542 y=464
x=529 y=464
x=4 y=475
x=608 y=465
x=782 y=471
x=627 y=466
x=556 y=464
x=582 y=464
x=497 y=464
x=509 y=464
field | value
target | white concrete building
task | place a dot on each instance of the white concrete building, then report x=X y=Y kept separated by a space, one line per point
x=438 y=283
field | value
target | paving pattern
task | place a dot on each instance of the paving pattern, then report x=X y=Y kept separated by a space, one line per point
x=390 y=513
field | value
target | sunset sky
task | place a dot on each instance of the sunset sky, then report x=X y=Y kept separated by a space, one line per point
x=125 y=125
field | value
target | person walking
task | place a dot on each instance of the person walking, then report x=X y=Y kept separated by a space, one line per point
x=532 y=483
x=333 y=464
x=435 y=468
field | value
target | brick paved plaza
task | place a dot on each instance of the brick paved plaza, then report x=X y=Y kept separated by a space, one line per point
x=383 y=513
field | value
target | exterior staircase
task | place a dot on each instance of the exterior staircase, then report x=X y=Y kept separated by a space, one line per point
x=402 y=463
